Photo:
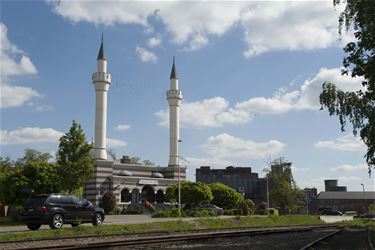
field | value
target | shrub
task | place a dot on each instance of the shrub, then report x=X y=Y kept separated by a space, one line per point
x=161 y=214
x=224 y=196
x=233 y=212
x=247 y=206
x=109 y=202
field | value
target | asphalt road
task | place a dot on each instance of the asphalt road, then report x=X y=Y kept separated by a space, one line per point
x=109 y=220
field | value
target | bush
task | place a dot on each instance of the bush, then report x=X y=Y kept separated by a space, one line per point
x=247 y=207
x=161 y=214
x=233 y=212
x=202 y=213
x=109 y=202
x=132 y=211
x=224 y=196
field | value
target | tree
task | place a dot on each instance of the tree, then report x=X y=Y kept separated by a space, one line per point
x=192 y=193
x=283 y=192
x=32 y=155
x=224 y=196
x=247 y=206
x=148 y=163
x=135 y=160
x=356 y=107
x=74 y=162
x=42 y=177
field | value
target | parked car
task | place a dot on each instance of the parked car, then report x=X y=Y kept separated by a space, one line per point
x=59 y=209
x=369 y=216
x=351 y=213
x=210 y=207
x=330 y=212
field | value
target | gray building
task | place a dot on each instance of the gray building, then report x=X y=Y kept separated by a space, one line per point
x=242 y=179
x=346 y=201
x=332 y=186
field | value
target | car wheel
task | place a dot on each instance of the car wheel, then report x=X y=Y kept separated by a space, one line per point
x=97 y=220
x=33 y=226
x=57 y=221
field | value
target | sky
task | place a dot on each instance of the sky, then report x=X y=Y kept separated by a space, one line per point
x=250 y=72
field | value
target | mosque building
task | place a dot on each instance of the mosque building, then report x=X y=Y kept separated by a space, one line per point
x=131 y=183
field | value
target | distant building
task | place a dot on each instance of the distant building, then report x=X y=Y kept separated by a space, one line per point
x=332 y=186
x=346 y=201
x=242 y=179
x=338 y=198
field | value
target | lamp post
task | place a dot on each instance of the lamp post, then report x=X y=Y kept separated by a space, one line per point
x=364 y=200
x=266 y=170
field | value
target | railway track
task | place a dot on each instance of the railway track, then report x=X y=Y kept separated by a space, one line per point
x=343 y=239
x=124 y=241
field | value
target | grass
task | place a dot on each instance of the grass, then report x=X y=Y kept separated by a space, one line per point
x=170 y=226
x=251 y=221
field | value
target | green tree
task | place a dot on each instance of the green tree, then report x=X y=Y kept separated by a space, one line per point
x=74 y=162
x=356 y=107
x=32 y=155
x=15 y=187
x=283 y=192
x=148 y=163
x=135 y=160
x=42 y=177
x=224 y=196
x=192 y=193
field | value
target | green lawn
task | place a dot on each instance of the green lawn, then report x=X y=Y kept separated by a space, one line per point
x=170 y=226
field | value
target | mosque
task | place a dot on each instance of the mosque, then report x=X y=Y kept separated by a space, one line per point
x=131 y=183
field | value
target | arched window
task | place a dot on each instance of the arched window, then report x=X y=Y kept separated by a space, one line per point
x=125 y=195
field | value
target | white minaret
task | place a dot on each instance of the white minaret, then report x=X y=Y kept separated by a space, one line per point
x=174 y=97
x=101 y=80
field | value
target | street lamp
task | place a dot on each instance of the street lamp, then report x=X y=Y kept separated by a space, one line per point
x=364 y=200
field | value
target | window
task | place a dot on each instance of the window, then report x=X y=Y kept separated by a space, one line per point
x=125 y=195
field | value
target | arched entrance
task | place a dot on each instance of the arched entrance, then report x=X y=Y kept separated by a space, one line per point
x=125 y=195
x=159 y=197
x=148 y=193
x=135 y=196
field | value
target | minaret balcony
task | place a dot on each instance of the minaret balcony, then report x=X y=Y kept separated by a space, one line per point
x=174 y=93
x=101 y=77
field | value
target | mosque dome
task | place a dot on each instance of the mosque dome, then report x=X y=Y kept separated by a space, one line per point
x=157 y=175
x=125 y=173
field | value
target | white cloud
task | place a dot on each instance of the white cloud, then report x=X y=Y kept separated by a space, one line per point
x=345 y=143
x=14 y=96
x=214 y=112
x=296 y=25
x=115 y=143
x=350 y=168
x=307 y=97
x=122 y=127
x=145 y=55
x=14 y=62
x=154 y=41
x=44 y=108
x=290 y=25
x=227 y=146
x=29 y=135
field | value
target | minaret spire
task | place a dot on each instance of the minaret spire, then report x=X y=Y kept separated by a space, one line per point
x=173 y=72
x=174 y=97
x=101 y=80
x=101 y=55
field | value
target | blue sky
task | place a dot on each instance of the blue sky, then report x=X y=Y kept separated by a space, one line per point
x=250 y=73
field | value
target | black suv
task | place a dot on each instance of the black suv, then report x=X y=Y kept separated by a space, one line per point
x=57 y=209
